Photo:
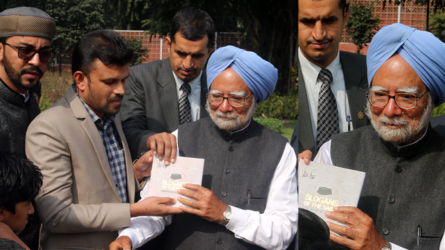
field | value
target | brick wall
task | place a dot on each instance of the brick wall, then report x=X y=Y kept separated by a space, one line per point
x=154 y=46
x=411 y=15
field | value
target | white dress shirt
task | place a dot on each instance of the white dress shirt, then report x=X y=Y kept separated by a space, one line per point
x=26 y=96
x=194 y=97
x=272 y=229
x=324 y=156
x=313 y=84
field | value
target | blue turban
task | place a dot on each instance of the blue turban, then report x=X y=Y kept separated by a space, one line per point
x=259 y=75
x=422 y=50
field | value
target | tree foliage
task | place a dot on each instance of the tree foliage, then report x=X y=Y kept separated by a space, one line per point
x=7 y=4
x=438 y=25
x=74 y=18
x=362 y=24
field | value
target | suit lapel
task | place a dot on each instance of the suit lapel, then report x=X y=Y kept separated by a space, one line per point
x=204 y=91
x=168 y=95
x=306 y=138
x=91 y=130
x=356 y=96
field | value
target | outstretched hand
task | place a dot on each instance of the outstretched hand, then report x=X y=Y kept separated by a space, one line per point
x=157 y=206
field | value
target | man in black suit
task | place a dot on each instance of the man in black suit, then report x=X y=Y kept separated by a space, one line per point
x=152 y=102
x=320 y=28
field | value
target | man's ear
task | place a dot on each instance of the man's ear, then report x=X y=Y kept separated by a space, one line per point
x=168 y=42
x=2 y=213
x=211 y=49
x=81 y=80
x=2 y=47
x=346 y=15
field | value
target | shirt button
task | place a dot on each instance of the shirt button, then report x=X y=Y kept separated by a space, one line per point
x=224 y=194
x=231 y=149
x=219 y=242
x=391 y=200
x=399 y=169
x=227 y=171
x=385 y=231
x=117 y=185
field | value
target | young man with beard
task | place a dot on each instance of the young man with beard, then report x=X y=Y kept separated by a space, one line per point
x=402 y=201
x=248 y=198
x=25 y=49
x=89 y=179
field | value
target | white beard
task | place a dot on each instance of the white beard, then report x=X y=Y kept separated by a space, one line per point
x=406 y=132
x=236 y=123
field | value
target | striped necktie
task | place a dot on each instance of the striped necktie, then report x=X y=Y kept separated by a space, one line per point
x=185 y=115
x=327 y=118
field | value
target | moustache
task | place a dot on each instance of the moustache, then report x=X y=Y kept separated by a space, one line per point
x=189 y=69
x=324 y=40
x=226 y=115
x=393 y=121
x=115 y=98
x=30 y=69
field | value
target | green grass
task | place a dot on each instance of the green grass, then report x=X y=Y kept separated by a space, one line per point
x=54 y=87
x=288 y=128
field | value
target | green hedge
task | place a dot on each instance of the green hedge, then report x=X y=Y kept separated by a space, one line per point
x=281 y=107
x=438 y=111
x=272 y=123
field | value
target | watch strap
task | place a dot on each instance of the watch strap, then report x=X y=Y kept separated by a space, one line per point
x=227 y=215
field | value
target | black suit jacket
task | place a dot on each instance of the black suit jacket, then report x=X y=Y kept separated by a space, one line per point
x=356 y=83
x=150 y=104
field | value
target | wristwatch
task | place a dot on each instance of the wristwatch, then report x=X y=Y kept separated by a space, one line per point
x=387 y=247
x=227 y=215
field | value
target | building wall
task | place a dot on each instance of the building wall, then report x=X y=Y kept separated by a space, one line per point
x=411 y=15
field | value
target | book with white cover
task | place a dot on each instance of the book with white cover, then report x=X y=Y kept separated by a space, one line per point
x=323 y=187
x=166 y=180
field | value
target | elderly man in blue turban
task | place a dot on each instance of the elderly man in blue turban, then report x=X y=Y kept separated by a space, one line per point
x=402 y=200
x=248 y=198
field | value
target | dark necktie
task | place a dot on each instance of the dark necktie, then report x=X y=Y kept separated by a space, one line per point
x=185 y=115
x=327 y=118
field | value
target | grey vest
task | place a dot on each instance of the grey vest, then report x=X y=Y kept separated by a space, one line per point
x=403 y=191
x=235 y=166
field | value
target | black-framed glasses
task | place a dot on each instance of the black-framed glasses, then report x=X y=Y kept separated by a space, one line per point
x=27 y=53
x=403 y=100
x=235 y=100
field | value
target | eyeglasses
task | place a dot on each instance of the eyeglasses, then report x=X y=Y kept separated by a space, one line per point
x=403 y=100
x=27 y=53
x=235 y=100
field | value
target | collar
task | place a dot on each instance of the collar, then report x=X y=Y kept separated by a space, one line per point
x=412 y=149
x=404 y=146
x=26 y=96
x=9 y=95
x=237 y=135
x=311 y=69
x=232 y=133
x=195 y=82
